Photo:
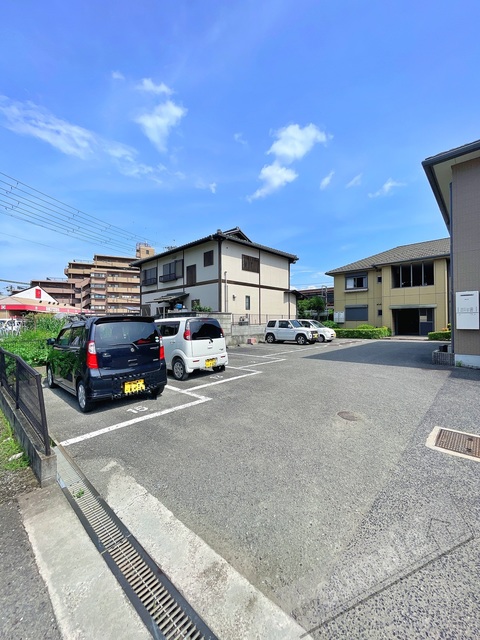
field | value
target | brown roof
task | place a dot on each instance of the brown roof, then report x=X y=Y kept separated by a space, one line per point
x=405 y=253
x=235 y=235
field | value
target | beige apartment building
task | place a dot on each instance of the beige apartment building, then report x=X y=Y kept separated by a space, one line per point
x=454 y=177
x=107 y=284
x=405 y=289
x=224 y=271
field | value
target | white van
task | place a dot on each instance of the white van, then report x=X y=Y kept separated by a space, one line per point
x=193 y=343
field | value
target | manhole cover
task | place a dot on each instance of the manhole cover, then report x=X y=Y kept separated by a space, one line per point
x=348 y=415
x=463 y=443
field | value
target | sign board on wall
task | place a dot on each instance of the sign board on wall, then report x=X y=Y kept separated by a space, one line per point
x=466 y=305
x=339 y=317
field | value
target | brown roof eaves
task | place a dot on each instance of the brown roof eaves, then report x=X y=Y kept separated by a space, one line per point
x=438 y=169
x=233 y=235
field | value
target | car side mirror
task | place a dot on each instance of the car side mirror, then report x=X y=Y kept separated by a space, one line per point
x=50 y=341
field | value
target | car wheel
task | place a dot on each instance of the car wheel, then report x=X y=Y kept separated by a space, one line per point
x=83 y=402
x=321 y=338
x=157 y=391
x=50 y=382
x=270 y=338
x=220 y=368
x=301 y=339
x=179 y=370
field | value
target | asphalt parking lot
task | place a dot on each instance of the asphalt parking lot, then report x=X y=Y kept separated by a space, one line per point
x=305 y=468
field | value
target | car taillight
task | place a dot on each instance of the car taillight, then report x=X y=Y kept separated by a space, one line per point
x=161 y=350
x=221 y=333
x=187 y=335
x=92 y=362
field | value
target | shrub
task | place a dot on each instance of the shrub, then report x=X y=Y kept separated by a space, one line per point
x=331 y=324
x=370 y=333
x=444 y=334
x=31 y=343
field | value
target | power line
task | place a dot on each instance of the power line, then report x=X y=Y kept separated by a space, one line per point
x=13 y=281
x=19 y=200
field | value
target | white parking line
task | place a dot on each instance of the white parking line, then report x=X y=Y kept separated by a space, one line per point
x=128 y=423
x=199 y=399
x=256 y=364
x=211 y=384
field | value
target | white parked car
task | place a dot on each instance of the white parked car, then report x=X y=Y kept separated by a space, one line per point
x=192 y=343
x=290 y=330
x=325 y=334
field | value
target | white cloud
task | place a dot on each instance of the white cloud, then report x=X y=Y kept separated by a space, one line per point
x=117 y=75
x=386 y=188
x=326 y=181
x=293 y=142
x=212 y=186
x=355 y=182
x=238 y=137
x=158 y=124
x=31 y=120
x=274 y=177
x=147 y=84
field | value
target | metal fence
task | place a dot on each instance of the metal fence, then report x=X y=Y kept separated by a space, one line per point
x=24 y=386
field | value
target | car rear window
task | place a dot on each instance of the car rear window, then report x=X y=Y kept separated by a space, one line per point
x=168 y=328
x=205 y=329
x=138 y=333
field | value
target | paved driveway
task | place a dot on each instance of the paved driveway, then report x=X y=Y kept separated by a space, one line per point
x=306 y=469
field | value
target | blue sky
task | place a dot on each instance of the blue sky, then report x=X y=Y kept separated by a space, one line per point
x=302 y=122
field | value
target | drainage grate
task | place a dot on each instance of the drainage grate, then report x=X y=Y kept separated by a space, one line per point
x=164 y=611
x=463 y=443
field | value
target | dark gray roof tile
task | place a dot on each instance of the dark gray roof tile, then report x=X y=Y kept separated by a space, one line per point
x=405 y=253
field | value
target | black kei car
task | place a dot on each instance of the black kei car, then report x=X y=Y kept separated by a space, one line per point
x=107 y=357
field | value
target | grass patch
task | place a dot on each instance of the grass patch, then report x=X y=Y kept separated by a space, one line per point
x=9 y=447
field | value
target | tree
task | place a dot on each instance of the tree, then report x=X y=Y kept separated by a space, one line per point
x=311 y=307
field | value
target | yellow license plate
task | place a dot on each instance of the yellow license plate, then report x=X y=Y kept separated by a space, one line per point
x=134 y=386
x=210 y=363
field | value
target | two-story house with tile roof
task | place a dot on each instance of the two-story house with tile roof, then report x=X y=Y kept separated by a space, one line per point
x=405 y=289
x=224 y=271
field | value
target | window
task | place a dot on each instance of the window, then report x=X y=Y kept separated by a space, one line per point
x=379 y=279
x=191 y=274
x=249 y=263
x=172 y=271
x=357 y=312
x=149 y=276
x=418 y=274
x=208 y=258
x=169 y=328
x=379 y=312
x=356 y=281
x=247 y=303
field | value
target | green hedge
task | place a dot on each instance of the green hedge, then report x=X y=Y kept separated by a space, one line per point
x=440 y=335
x=371 y=333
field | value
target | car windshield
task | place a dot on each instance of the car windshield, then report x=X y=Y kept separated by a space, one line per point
x=317 y=324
